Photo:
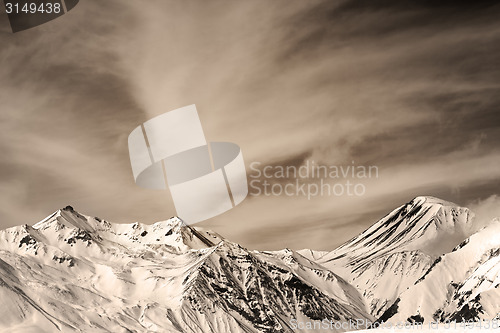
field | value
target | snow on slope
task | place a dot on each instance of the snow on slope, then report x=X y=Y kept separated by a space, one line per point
x=72 y=272
x=391 y=255
x=425 y=224
x=462 y=285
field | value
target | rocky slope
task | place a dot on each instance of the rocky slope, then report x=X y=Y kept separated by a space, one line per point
x=425 y=261
x=460 y=286
x=72 y=272
x=391 y=255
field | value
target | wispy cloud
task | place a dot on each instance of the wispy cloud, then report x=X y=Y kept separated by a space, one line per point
x=411 y=87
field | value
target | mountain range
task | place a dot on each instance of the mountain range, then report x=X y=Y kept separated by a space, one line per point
x=425 y=261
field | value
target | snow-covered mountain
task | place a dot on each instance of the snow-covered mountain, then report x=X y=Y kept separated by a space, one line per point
x=396 y=251
x=409 y=265
x=462 y=285
x=70 y=272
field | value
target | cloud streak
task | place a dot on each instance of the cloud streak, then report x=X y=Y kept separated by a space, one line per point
x=409 y=86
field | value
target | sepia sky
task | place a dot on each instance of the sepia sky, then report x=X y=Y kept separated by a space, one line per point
x=412 y=87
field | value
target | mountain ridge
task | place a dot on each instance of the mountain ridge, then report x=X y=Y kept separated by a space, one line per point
x=163 y=277
x=72 y=272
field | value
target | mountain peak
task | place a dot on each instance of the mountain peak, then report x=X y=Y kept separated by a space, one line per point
x=68 y=224
x=69 y=217
x=425 y=199
x=427 y=224
x=68 y=208
x=166 y=276
x=173 y=277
